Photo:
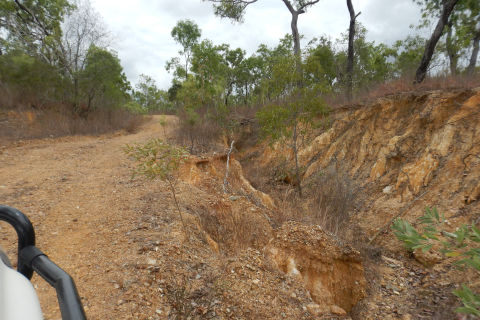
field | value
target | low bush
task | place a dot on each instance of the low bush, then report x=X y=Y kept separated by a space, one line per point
x=156 y=159
x=463 y=245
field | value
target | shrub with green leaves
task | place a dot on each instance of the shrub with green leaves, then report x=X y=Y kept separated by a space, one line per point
x=157 y=159
x=463 y=245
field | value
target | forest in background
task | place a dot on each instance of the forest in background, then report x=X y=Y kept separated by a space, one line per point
x=57 y=55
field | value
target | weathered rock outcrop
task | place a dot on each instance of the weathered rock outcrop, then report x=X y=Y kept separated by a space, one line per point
x=420 y=149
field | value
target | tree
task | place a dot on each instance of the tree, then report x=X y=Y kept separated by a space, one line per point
x=208 y=65
x=293 y=113
x=351 y=37
x=186 y=33
x=408 y=54
x=235 y=9
x=37 y=81
x=474 y=56
x=158 y=160
x=460 y=30
x=102 y=81
x=33 y=26
x=470 y=19
x=83 y=28
x=234 y=60
x=372 y=61
x=447 y=8
x=321 y=63
x=150 y=97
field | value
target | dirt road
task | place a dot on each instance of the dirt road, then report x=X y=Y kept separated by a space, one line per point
x=79 y=194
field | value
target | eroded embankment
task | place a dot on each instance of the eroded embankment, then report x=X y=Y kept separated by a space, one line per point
x=411 y=149
x=332 y=272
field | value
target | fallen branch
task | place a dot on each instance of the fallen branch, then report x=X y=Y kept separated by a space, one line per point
x=225 y=182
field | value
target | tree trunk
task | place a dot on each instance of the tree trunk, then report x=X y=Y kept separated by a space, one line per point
x=351 y=52
x=431 y=44
x=451 y=52
x=474 y=56
x=295 y=35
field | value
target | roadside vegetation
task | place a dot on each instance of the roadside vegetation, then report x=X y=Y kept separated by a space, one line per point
x=59 y=75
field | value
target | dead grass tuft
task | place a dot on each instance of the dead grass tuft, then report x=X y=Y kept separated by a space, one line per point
x=234 y=229
x=329 y=200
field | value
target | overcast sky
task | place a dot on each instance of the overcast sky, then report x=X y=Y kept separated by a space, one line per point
x=142 y=28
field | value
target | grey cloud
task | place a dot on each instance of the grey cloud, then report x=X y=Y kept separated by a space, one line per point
x=144 y=43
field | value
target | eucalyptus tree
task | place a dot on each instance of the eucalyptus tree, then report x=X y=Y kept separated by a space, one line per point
x=447 y=7
x=234 y=62
x=83 y=29
x=474 y=56
x=351 y=37
x=235 y=9
x=294 y=111
x=471 y=19
x=33 y=25
x=149 y=96
x=186 y=33
x=102 y=81
x=460 y=31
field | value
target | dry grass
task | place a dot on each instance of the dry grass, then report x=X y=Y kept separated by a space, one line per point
x=29 y=123
x=329 y=200
x=406 y=84
x=234 y=229
x=200 y=137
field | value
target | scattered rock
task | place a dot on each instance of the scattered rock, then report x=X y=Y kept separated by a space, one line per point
x=428 y=258
x=337 y=310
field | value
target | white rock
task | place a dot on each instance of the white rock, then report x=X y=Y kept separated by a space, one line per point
x=387 y=190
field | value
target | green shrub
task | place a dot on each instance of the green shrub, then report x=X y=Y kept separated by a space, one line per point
x=157 y=159
x=463 y=244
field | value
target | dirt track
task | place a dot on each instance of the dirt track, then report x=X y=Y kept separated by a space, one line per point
x=122 y=241
x=78 y=193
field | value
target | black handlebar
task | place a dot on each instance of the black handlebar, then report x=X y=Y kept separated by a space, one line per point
x=30 y=259
x=25 y=232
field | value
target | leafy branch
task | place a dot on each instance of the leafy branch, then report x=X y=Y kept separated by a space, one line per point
x=462 y=244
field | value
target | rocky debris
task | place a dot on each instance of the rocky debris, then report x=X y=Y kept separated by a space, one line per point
x=331 y=271
x=428 y=258
x=404 y=152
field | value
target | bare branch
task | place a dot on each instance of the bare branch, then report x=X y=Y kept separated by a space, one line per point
x=306 y=4
x=225 y=181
